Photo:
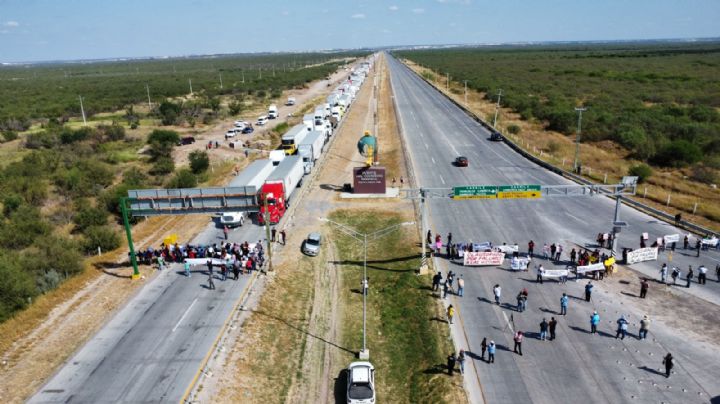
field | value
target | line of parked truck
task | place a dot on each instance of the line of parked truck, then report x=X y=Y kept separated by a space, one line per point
x=276 y=178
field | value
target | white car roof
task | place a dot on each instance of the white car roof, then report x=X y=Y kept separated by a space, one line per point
x=360 y=372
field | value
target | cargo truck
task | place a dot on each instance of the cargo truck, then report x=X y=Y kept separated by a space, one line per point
x=253 y=176
x=279 y=187
x=310 y=149
x=272 y=112
x=276 y=156
x=293 y=137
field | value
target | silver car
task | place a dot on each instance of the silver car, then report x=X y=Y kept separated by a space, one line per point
x=361 y=383
x=311 y=246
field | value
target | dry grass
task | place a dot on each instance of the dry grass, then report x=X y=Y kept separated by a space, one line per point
x=598 y=159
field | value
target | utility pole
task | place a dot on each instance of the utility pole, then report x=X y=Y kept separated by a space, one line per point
x=190 y=81
x=82 y=110
x=576 y=165
x=447 y=81
x=243 y=76
x=147 y=89
x=221 y=85
x=465 y=93
x=267 y=235
x=497 y=108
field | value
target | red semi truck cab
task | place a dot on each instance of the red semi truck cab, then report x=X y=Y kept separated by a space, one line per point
x=276 y=207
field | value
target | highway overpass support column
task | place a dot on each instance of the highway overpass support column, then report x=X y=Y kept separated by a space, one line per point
x=128 y=232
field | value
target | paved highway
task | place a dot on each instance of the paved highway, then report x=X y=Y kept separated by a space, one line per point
x=151 y=350
x=578 y=366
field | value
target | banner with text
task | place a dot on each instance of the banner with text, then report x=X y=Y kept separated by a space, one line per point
x=555 y=273
x=590 y=268
x=642 y=254
x=483 y=258
x=671 y=238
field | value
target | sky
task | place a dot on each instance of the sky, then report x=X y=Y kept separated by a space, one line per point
x=43 y=30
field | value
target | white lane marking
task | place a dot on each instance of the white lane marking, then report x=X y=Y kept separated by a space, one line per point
x=433 y=159
x=442 y=179
x=426 y=146
x=574 y=217
x=183 y=316
x=508 y=322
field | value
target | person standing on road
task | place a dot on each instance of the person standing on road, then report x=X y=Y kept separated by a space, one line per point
x=564 y=304
x=543 y=330
x=429 y=237
x=497 y=291
x=689 y=277
x=594 y=321
x=282 y=236
x=211 y=284
x=573 y=256
x=540 y=271
x=663 y=272
x=225 y=232
x=644 y=327
x=524 y=294
x=491 y=352
x=702 y=275
x=531 y=247
x=273 y=232
x=698 y=244
x=450 y=313
x=236 y=269
x=518 y=342
x=449 y=241
x=668 y=362
x=461 y=360
x=717 y=271
x=622 y=327
x=545 y=251
x=686 y=241
x=588 y=291
x=675 y=274
x=644 y=285
x=520 y=298
x=558 y=252
x=483 y=348
x=436 y=281
x=446 y=289
x=552 y=325
x=187 y=268
x=451 y=363
x=461 y=286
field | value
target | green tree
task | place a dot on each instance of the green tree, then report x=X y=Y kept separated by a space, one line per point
x=162 y=143
x=17 y=286
x=199 y=161
x=642 y=171
x=678 y=153
x=163 y=166
x=169 y=113
x=22 y=228
x=100 y=236
x=88 y=216
x=184 y=178
x=235 y=107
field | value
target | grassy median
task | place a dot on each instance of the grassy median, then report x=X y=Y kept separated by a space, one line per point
x=406 y=344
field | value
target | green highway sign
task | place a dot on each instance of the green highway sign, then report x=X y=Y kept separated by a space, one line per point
x=497 y=192
x=475 y=192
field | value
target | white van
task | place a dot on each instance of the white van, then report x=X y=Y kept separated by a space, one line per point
x=262 y=121
x=272 y=112
x=232 y=219
x=290 y=101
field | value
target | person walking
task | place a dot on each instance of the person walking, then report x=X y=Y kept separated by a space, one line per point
x=520 y=298
x=644 y=286
x=273 y=232
x=436 y=281
x=450 y=313
x=663 y=272
x=429 y=237
x=543 y=330
x=588 y=291
x=446 y=289
x=524 y=301
x=211 y=284
x=558 y=252
x=689 y=277
x=644 y=327
x=668 y=362
x=282 y=236
x=698 y=244
x=573 y=256
x=161 y=262
x=461 y=286
x=594 y=321
x=186 y=265
x=497 y=291
x=491 y=352
x=564 y=304
x=518 y=342
x=451 y=363
x=483 y=348
x=225 y=231
x=223 y=272
x=702 y=274
x=461 y=361
x=540 y=271
x=531 y=247
x=686 y=241
x=717 y=270
x=552 y=325
x=675 y=274
x=449 y=240
x=622 y=327
x=236 y=269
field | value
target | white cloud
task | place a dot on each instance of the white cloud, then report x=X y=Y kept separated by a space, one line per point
x=358 y=16
x=12 y=24
x=418 y=10
x=393 y=8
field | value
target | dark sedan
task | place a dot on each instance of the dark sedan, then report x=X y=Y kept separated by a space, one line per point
x=461 y=161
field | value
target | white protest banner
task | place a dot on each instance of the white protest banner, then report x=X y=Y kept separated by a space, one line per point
x=519 y=264
x=659 y=241
x=711 y=242
x=671 y=238
x=508 y=249
x=642 y=254
x=554 y=273
x=589 y=268
x=606 y=236
x=645 y=236
x=483 y=258
x=203 y=261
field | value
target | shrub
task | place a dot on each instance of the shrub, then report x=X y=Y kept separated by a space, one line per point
x=163 y=166
x=704 y=174
x=100 y=236
x=11 y=203
x=678 y=153
x=9 y=135
x=513 y=129
x=88 y=216
x=169 y=113
x=553 y=147
x=41 y=140
x=17 y=286
x=112 y=132
x=184 y=178
x=235 y=107
x=23 y=227
x=199 y=161
x=642 y=171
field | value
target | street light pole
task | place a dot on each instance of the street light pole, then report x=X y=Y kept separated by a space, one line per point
x=577 y=138
x=497 y=108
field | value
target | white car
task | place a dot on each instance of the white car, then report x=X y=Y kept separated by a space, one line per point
x=230 y=133
x=361 y=383
x=262 y=120
x=240 y=124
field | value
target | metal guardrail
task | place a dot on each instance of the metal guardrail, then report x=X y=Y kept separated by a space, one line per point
x=700 y=230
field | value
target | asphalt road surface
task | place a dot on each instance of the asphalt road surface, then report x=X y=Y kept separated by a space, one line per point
x=151 y=350
x=577 y=367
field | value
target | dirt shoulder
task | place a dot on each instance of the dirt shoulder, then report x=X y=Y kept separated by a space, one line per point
x=39 y=339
